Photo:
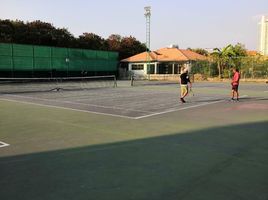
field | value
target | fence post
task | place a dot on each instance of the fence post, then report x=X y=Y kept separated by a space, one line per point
x=33 y=62
x=12 y=61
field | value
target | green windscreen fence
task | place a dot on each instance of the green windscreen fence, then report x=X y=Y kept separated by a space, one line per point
x=31 y=60
x=19 y=50
x=42 y=52
x=6 y=61
x=5 y=49
x=59 y=52
x=42 y=64
x=22 y=63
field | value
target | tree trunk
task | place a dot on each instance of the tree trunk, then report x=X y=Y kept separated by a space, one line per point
x=219 y=68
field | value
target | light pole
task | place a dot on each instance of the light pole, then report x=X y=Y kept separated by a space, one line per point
x=147 y=15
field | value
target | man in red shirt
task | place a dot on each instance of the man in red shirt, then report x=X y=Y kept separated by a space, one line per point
x=235 y=84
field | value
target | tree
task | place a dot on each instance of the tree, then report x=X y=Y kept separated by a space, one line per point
x=114 y=42
x=222 y=56
x=36 y=32
x=240 y=50
x=200 y=51
x=126 y=46
x=39 y=33
x=92 y=41
x=240 y=53
x=130 y=46
x=61 y=37
x=12 y=31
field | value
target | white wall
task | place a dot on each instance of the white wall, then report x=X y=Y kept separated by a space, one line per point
x=137 y=72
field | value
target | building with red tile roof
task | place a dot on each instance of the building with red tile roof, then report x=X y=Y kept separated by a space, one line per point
x=162 y=61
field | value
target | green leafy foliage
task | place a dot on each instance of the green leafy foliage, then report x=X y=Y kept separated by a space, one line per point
x=228 y=57
x=223 y=60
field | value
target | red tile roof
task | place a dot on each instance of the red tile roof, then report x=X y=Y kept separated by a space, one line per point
x=252 y=53
x=166 y=54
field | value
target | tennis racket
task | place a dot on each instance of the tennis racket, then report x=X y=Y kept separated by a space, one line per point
x=191 y=91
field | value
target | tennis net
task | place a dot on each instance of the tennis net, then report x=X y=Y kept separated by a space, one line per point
x=145 y=81
x=27 y=85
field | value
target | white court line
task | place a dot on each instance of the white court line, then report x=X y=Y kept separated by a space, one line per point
x=77 y=103
x=73 y=109
x=174 y=110
x=188 y=107
x=3 y=144
x=122 y=116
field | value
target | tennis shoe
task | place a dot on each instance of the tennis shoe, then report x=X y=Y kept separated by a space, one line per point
x=182 y=100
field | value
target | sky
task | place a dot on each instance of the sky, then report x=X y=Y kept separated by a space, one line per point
x=186 y=23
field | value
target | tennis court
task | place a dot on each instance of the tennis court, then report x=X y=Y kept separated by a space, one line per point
x=128 y=102
x=135 y=143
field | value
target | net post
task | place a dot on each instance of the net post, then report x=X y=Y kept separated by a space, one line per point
x=12 y=61
x=131 y=80
x=115 y=82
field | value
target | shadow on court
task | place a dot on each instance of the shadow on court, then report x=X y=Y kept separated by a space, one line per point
x=227 y=162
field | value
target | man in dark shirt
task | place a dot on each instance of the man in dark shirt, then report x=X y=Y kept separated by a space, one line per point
x=184 y=84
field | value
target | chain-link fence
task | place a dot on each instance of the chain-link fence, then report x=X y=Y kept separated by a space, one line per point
x=249 y=67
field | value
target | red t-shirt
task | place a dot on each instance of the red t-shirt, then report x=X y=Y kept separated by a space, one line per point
x=236 y=78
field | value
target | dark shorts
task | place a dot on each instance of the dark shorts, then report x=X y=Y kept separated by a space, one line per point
x=235 y=87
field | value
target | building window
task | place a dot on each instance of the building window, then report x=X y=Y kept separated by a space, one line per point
x=137 y=67
x=165 y=68
x=177 y=68
x=150 y=69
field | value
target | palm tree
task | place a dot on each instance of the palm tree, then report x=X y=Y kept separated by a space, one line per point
x=221 y=56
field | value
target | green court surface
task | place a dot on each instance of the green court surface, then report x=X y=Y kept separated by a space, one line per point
x=136 y=143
